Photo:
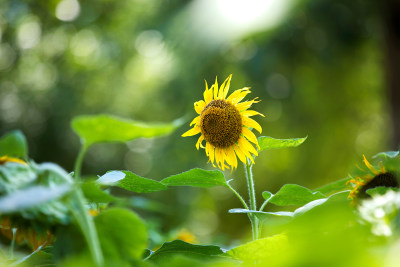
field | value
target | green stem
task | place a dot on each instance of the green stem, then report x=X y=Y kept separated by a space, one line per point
x=79 y=161
x=81 y=214
x=238 y=196
x=252 y=195
x=12 y=245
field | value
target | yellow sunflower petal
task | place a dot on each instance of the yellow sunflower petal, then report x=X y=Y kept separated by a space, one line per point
x=369 y=166
x=195 y=130
x=245 y=145
x=199 y=142
x=216 y=89
x=249 y=113
x=223 y=92
x=199 y=106
x=231 y=157
x=240 y=154
x=208 y=94
x=250 y=136
x=238 y=95
x=245 y=105
x=5 y=159
x=246 y=153
x=251 y=124
x=195 y=121
x=210 y=152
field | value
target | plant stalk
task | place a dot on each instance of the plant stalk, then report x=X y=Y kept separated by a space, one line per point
x=252 y=195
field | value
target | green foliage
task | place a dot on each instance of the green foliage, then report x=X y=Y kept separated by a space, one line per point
x=292 y=194
x=13 y=144
x=266 y=142
x=131 y=182
x=93 y=193
x=179 y=247
x=333 y=187
x=387 y=154
x=123 y=235
x=380 y=190
x=262 y=249
x=106 y=128
x=196 y=178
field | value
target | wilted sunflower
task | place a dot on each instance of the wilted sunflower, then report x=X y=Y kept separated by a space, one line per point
x=384 y=175
x=225 y=124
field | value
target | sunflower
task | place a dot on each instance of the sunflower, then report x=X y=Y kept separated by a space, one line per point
x=5 y=159
x=225 y=125
x=372 y=177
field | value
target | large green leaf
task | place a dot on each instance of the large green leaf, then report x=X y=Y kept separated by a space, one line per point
x=197 y=178
x=31 y=197
x=13 y=144
x=93 y=193
x=131 y=182
x=292 y=194
x=264 y=216
x=387 y=154
x=106 y=128
x=266 y=142
x=333 y=187
x=261 y=249
x=179 y=247
x=122 y=235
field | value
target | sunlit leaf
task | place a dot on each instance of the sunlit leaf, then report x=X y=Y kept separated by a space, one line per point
x=122 y=234
x=282 y=216
x=131 y=182
x=381 y=190
x=196 y=178
x=106 y=128
x=267 y=195
x=179 y=247
x=93 y=193
x=333 y=187
x=13 y=144
x=387 y=154
x=316 y=203
x=31 y=197
x=292 y=194
x=266 y=142
x=261 y=249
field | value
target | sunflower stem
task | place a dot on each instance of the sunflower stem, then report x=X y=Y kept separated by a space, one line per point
x=81 y=215
x=252 y=195
x=238 y=196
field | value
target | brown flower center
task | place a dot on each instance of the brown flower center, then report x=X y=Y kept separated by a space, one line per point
x=387 y=179
x=221 y=123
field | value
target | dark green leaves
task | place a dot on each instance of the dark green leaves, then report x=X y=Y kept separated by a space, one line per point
x=131 y=182
x=266 y=142
x=13 y=144
x=292 y=194
x=122 y=235
x=106 y=128
x=333 y=187
x=179 y=247
x=197 y=178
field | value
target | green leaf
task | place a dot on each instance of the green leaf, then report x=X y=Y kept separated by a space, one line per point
x=31 y=197
x=387 y=154
x=292 y=194
x=261 y=249
x=266 y=142
x=13 y=144
x=264 y=216
x=267 y=195
x=177 y=247
x=380 y=190
x=316 y=203
x=131 y=182
x=333 y=187
x=106 y=128
x=122 y=234
x=94 y=194
x=197 y=178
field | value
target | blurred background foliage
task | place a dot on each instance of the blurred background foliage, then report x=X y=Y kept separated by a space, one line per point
x=318 y=67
